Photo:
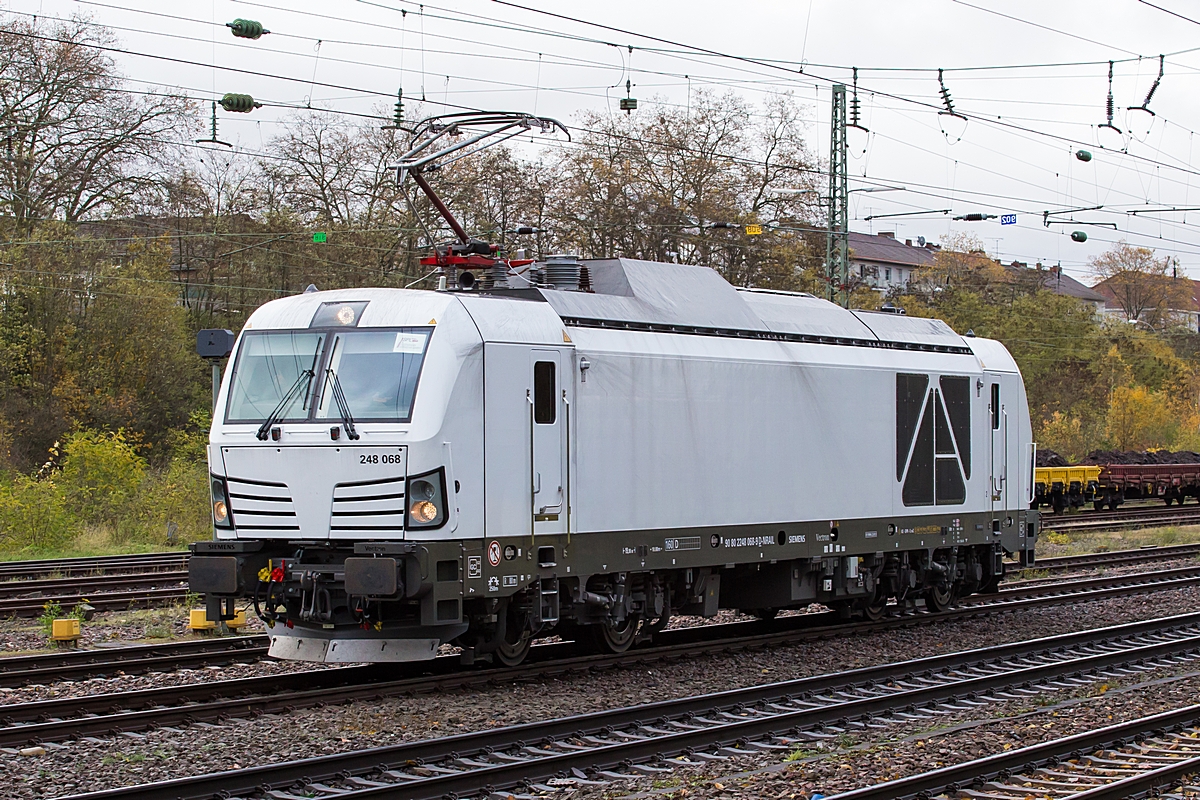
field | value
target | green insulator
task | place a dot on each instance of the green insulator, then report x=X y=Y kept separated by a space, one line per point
x=240 y=103
x=1078 y=236
x=246 y=28
x=1083 y=155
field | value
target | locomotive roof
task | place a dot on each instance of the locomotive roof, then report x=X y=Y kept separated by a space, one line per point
x=648 y=293
x=637 y=295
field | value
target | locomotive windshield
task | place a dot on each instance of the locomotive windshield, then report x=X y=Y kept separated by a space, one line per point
x=376 y=370
x=268 y=366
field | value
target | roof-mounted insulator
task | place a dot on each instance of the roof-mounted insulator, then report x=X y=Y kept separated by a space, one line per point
x=1145 y=106
x=239 y=103
x=1109 y=104
x=246 y=28
x=946 y=99
x=628 y=103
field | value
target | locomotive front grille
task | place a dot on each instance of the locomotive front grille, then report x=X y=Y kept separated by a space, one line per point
x=368 y=507
x=261 y=506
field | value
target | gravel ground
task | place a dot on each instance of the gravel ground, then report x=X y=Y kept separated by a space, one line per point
x=163 y=754
x=852 y=760
x=20 y=636
x=1039 y=578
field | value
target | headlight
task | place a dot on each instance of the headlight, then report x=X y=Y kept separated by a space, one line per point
x=220 y=503
x=424 y=511
x=426 y=504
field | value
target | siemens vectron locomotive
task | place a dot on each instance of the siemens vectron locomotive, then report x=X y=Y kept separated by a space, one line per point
x=602 y=446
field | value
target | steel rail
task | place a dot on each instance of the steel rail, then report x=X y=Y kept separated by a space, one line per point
x=91 y=564
x=1004 y=766
x=1081 y=584
x=590 y=746
x=129 y=659
x=82 y=584
x=1106 y=559
x=109 y=601
x=273 y=694
x=1126 y=520
x=77 y=664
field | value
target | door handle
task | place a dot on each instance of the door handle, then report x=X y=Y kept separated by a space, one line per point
x=537 y=482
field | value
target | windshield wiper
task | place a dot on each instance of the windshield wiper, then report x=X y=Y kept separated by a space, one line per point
x=303 y=379
x=339 y=397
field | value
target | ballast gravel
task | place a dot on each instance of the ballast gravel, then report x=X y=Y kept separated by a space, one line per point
x=850 y=761
x=111 y=762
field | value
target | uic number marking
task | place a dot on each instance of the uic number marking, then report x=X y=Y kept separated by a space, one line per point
x=386 y=458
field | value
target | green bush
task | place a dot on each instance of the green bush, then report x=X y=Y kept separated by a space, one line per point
x=177 y=494
x=34 y=516
x=101 y=473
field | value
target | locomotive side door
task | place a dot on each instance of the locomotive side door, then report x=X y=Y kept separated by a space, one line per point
x=998 y=424
x=527 y=392
x=548 y=409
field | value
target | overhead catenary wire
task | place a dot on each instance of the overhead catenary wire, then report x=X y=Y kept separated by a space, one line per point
x=379 y=92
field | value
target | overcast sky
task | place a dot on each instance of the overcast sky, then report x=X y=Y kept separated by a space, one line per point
x=1014 y=156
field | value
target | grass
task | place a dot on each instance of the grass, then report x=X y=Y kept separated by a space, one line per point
x=1072 y=544
x=93 y=541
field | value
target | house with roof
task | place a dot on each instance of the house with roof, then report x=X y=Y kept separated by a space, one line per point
x=1186 y=315
x=1060 y=283
x=884 y=262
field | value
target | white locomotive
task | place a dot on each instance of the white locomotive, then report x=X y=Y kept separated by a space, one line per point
x=625 y=441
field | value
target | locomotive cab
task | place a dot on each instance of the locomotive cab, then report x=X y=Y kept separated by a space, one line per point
x=333 y=482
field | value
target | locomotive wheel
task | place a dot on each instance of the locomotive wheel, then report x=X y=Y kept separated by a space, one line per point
x=615 y=638
x=939 y=599
x=511 y=654
x=875 y=608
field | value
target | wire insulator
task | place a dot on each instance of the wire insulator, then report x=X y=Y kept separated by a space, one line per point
x=1110 y=96
x=239 y=103
x=946 y=95
x=246 y=28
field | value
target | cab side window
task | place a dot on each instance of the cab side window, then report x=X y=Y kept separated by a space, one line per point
x=544 y=407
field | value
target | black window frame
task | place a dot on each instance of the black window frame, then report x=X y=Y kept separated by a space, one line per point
x=318 y=383
x=995 y=398
x=545 y=397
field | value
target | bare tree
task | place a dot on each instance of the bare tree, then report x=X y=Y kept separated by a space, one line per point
x=76 y=142
x=1146 y=288
x=652 y=186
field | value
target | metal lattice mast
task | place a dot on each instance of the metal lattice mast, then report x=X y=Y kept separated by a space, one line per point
x=837 y=247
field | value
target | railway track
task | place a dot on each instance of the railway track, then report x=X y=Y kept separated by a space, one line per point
x=1133 y=759
x=1098 y=521
x=150 y=596
x=1115 y=558
x=82 y=664
x=104 y=582
x=657 y=737
x=92 y=565
x=59 y=719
